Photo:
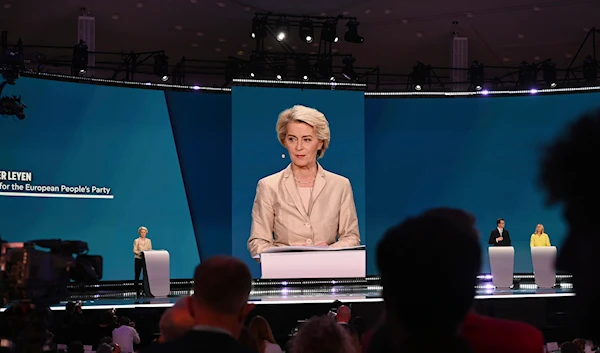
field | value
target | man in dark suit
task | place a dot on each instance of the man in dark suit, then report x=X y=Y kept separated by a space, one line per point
x=219 y=307
x=499 y=236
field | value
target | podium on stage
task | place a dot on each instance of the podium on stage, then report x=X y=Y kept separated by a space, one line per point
x=502 y=263
x=544 y=270
x=313 y=262
x=157 y=273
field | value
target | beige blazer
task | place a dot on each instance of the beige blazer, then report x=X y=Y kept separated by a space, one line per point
x=280 y=219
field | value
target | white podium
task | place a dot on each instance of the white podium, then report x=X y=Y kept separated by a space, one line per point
x=302 y=262
x=157 y=273
x=544 y=258
x=502 y=263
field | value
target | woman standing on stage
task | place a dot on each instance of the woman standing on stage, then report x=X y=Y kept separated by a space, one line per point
x=303 y=204
x=139 y=245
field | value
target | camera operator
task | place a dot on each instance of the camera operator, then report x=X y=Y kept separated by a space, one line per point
x=72 y=323
x=126 y=335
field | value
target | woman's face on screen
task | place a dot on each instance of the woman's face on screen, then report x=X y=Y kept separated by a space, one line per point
x=143 y=233
x=302 y=144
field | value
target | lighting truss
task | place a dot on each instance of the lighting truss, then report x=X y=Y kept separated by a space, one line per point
x=321 y=28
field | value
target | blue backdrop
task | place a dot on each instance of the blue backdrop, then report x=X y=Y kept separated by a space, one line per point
x=77 y=134
x=256 y=151
x=480 y=154
x=186 y=164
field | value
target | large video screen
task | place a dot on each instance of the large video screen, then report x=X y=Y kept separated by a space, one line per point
x=256 y=151
x=481 y=154
x=94 y=163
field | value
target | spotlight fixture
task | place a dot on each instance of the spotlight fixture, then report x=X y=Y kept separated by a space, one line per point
x=259 y=27
x=420 y=75
x=326 y=68
x=549 y=73
x=161 y=66
x=306 y=31
x=329 y=31
x=279 y=67
x=590 y=69
x=527 y=74
x=80 y=58
x=476 y=75
x=352 y=35
x=282 y=29
x=257 y=65
x=348 y=70
x=303 y=71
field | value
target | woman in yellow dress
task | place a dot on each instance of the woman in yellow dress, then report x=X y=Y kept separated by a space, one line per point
x=539 y=238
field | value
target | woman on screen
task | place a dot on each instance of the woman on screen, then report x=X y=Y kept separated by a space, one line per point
x=143 y=243
x=539 y=238
x=303 y=205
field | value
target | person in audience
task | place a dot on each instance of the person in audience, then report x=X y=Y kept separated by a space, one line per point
x=219 y=307
x=176 y=321
x=500 y=236
x=539 y=237
x=568 y=347
x=303 y=204
x=580 y=343
x=482 y=334
x=109 y=341
x=322 y=334
x=565 y=176
x=75 y=347
x=412 y=318
x=344 y=315
x=126 y=335
x=104 y=348
x=140 y=244
x=352 y=335
x=261 y=331
x=247 y=341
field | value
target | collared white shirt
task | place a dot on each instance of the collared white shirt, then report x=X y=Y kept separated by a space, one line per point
x=500 y=230
x=125 y=336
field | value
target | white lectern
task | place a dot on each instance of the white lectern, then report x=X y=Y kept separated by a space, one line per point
x=543 y=258
x=502 y=262
x=157 y=273
x=313 y=262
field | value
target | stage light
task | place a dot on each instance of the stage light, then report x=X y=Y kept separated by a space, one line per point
x=326 y=68
x=352 y=35
x=279 y=67
x=80 y=58
x=348 y=70
x=527 y=74
x=257 y=65
x=306 y=31
x=549 y=73
x=303 y=71
x=161 y=66
x=590 y=69
x=329 y=31
x=259 y=27
x=419 y=75
x=282 y=29
x=477 y=75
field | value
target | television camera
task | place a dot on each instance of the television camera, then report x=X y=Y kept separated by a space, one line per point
x=31 y=279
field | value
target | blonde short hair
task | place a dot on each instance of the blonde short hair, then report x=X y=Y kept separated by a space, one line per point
x=142 y=228
x=307 y=115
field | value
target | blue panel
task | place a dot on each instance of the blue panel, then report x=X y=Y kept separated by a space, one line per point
x=256 y=151
x=478 y=154
x=77 y=134
x=202 y=129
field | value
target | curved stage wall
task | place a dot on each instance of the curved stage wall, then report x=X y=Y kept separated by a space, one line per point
x=185 y=164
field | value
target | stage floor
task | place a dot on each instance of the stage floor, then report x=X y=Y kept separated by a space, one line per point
x=122 y=295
